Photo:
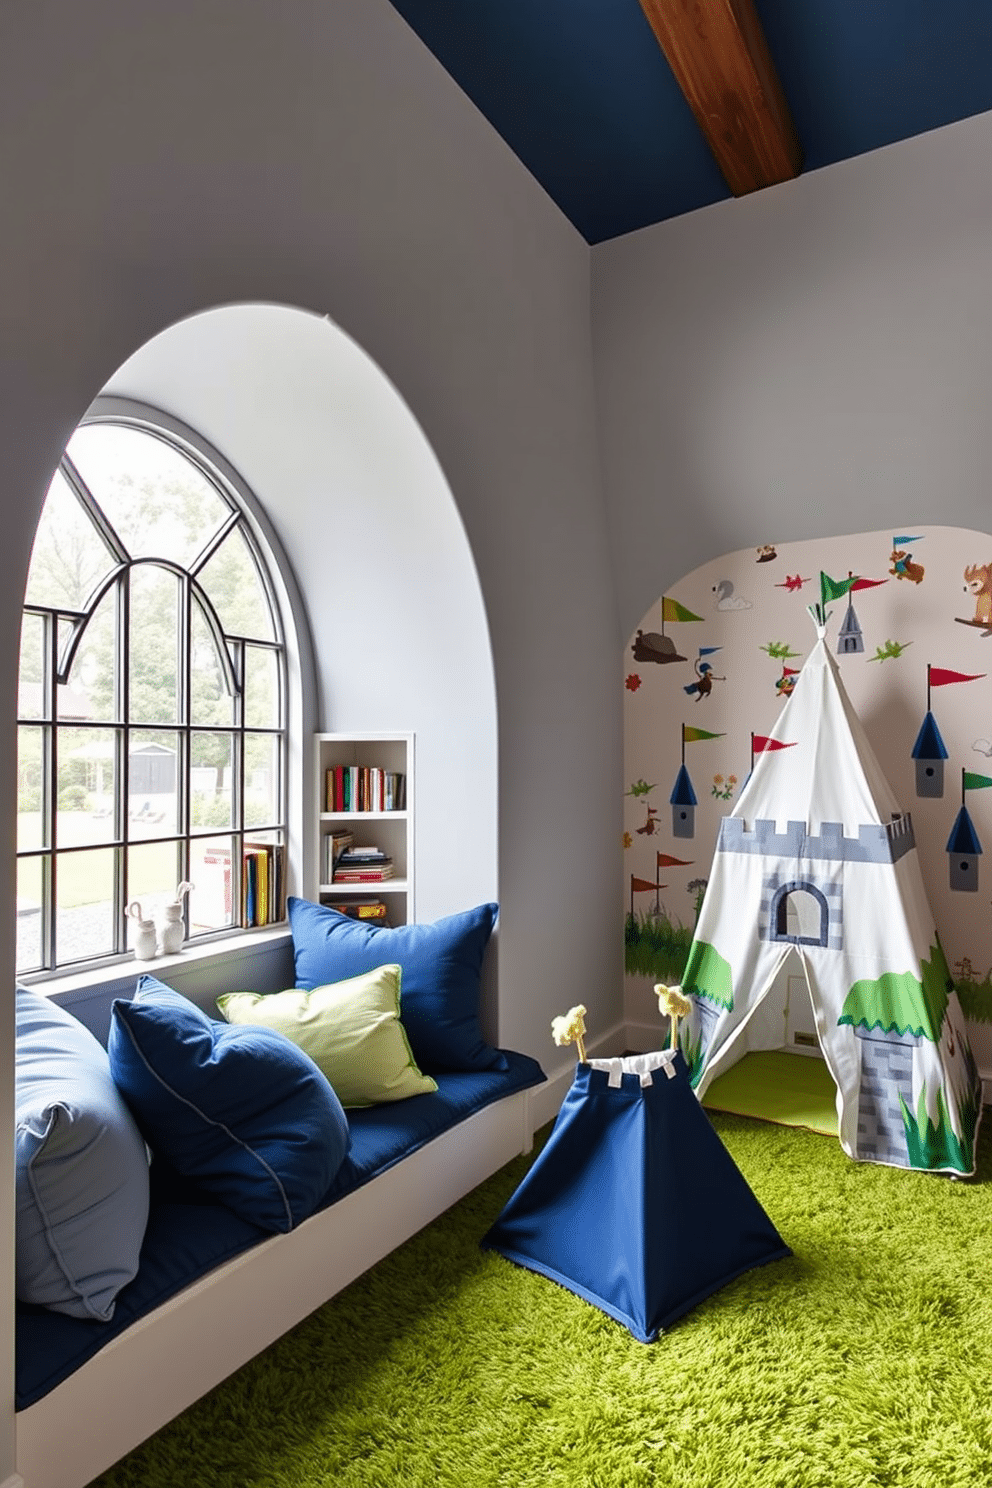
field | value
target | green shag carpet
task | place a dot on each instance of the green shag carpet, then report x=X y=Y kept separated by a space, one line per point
x=864 y=1360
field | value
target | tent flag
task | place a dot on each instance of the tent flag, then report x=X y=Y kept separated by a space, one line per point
x=709 y=650
x=860 y=584
x=816 y=883
x=941 y=676
x=665 y=860
x=672 y=610
x=691 y=735
x=634 y=1204
x=902 y=540
x=970 y=781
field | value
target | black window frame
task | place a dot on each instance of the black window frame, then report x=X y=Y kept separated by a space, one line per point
x=231 y=650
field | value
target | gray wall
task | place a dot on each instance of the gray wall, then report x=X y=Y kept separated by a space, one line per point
x=368 y=529
x=160 y=160
x=809 y=361
x=209 y=153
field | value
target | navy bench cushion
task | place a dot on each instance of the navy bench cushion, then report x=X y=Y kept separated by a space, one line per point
x=188 y=1234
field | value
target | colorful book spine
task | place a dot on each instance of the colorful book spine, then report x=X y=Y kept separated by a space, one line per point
x=364 y=788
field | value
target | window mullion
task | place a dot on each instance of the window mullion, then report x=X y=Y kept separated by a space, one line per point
x=238 y=765
x=185 y=760
x=50 y=792
x=85 y=496
x=122 y=716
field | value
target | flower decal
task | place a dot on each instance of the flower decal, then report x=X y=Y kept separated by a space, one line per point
x=627 y=839
x=633 y=682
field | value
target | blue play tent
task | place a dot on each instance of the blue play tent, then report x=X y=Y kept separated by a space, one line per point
x=634 y=1203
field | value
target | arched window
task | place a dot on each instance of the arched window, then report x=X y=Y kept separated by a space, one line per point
x=151 y=702
x=800 y=914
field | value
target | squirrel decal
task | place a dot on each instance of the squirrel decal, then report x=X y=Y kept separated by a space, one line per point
x=978 y=582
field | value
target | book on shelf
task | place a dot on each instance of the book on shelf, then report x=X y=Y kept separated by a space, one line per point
x=376 y=873
x=334 y=844
x=263 y=883
x=355 y=861
x=334 y=779
x=361 y=909
x=364 y=788
x=362 y=854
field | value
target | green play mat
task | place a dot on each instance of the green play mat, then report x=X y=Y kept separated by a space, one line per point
x=774 y=1085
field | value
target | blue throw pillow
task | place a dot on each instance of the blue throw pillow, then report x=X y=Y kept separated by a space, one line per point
x=440 y=969
x=241 y=1111
x=81 y=1167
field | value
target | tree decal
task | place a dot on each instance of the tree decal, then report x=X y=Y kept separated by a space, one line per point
x=898 y=1002
x=707 y=975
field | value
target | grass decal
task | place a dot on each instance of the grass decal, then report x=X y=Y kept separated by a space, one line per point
x=976 y=998
x=692 y=1052
x=936 y=1144
x=655 y=946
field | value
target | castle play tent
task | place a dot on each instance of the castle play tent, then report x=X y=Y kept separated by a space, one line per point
x=817 y=867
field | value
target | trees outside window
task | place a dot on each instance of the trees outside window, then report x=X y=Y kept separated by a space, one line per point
x=152 y=699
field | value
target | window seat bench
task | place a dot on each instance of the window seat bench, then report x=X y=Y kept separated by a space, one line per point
x=213 y=1290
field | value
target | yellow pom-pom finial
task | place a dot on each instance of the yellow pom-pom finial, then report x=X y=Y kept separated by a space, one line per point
x=569 y=1029
x=673 y=1003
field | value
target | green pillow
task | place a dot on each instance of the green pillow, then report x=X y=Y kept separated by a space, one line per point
x=351 y=1030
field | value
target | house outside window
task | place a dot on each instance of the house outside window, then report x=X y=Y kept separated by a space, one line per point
x=152 y=733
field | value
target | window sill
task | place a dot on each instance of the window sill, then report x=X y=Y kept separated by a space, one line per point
x=201 y=957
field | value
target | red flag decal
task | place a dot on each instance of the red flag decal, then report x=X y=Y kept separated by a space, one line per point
x=641 y=885
x=665 y=860
x=866 y=584
x=760 y=742
x=940 y=676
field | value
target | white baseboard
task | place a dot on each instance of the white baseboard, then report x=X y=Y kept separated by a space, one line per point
x=545 y=1100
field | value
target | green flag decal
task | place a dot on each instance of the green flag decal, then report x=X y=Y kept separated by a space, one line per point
x=672 y=610
x=690 y=735
x=975 y=782
x=835 y=588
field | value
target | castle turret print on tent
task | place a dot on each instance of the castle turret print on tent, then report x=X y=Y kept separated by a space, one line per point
x=816 y=862
x=817 y=898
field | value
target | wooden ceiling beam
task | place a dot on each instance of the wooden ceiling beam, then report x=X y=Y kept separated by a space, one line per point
x=718 y=53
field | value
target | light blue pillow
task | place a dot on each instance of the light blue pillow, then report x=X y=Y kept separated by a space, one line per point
x=81 y=1167
x=439 y=988
x=241 y=1111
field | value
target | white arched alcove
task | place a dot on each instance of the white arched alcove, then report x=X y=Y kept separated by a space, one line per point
x=363 y=514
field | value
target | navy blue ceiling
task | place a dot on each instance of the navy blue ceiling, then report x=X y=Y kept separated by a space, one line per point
x=583 y=95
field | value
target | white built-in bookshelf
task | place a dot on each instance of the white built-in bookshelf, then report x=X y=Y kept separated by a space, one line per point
x=360 y=778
